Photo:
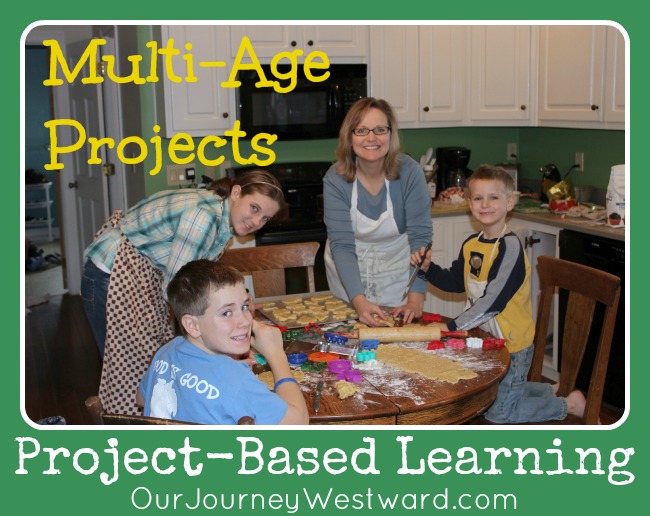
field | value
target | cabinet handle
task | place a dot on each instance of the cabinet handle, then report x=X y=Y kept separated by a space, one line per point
x=523 y=107
x=426 y=109
x=225 y=115
x=594 y=107
x=310 y=43
x=530 y=242
x=293 y=43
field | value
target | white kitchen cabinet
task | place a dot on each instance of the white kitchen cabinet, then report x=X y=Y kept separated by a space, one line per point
x=615 y=77
x=420 y=70
x=337 y=41
x=501 y=75
x=571 y=74
x=442 y=74
x=394 y=70
x=203 y=107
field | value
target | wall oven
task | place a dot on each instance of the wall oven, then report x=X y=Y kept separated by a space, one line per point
x=311 y=110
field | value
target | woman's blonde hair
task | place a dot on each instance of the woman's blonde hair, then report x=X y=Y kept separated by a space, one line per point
x=346 y=162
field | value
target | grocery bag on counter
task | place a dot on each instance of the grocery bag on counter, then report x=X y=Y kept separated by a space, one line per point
x=615 y=200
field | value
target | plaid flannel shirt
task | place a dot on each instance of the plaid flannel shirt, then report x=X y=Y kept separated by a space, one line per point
x=170 y=228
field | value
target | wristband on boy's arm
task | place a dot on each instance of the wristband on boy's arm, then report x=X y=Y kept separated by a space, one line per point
x=284 y=380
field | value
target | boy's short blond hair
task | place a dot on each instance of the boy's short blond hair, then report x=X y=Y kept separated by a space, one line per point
x=493 y=173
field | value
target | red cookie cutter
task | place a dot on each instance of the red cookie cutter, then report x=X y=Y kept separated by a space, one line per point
x=436 y=344
x=455 y=343
x=432 y=318
x=493 y=343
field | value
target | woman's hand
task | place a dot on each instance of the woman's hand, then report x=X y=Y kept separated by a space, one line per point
x=369 y=313
x=412 y=309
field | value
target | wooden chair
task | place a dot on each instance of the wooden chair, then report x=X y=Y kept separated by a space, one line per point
x=586 y=287
x=267 y=265
x=100 y=417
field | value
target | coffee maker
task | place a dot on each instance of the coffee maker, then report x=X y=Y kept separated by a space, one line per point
x=452 y=167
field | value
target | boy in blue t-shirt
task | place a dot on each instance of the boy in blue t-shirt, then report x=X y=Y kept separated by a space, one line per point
x=195 y=379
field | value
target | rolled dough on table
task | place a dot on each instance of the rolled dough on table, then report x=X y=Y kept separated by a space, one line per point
x=425 y=364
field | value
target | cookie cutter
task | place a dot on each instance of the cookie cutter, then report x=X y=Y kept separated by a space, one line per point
x=363 y=356
x=297 y=358
x=335 y=338
x=339 y=366
x=350 y=376
x=367 y=344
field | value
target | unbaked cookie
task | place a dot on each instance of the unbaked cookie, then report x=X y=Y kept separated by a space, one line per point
x=345 y=389
x=267 y=377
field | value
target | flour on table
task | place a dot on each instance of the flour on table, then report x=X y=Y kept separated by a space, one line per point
x=425 y=364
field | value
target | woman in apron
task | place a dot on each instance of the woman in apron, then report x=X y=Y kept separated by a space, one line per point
x=377 y=211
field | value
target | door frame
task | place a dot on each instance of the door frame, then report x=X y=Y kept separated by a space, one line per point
x=61 y=105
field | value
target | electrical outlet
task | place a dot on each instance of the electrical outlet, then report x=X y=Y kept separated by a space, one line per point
x=512 y=152
x=580 y=161
x=176 y=175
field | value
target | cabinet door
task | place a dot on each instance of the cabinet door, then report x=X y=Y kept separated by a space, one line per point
x=203 y=107
x=267 y=40
x=500 y=74
x=615 y=76
x=337 y=40
x=571 y=73
x=442 y=74
x=394 y=69
x=334 y=40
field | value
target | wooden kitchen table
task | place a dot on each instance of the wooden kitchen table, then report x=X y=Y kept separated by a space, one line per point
x=390 y=396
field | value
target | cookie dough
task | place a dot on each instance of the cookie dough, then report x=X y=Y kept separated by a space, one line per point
x=345 y=389
x=425 y=364
x=267 y=377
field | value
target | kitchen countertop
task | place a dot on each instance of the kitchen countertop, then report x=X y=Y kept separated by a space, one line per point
x=582 y=225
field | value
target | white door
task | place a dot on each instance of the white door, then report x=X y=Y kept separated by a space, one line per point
x=89 y=184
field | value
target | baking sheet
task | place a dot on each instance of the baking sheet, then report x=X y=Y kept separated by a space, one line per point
x=301 y=312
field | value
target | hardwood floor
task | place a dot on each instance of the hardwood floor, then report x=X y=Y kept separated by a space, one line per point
x=63 y=368
x=62 y=364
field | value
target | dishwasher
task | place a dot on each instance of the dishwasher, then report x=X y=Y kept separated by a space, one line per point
x=607 y=255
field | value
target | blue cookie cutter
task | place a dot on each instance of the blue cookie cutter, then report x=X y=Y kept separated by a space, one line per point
x=260 y=359
x=369 y=344
x=297 y=358
x=335 y=338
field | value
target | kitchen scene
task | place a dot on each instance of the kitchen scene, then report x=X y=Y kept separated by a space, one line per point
x=462 y=97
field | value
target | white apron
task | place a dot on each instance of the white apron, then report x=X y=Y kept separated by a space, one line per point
x=475 y=289
x=383 y=255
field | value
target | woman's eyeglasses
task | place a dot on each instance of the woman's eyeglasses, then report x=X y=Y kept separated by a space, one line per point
x=364 y=131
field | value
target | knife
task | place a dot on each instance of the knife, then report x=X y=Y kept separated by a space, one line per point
x=319 y=390
x=415 y=272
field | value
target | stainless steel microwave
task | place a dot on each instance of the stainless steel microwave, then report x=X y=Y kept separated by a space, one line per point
x=312 y=110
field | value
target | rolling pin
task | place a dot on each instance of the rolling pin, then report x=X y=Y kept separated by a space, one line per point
x=404 y=334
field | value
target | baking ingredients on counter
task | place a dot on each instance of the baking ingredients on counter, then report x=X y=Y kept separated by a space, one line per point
x=615 y=199
x=453 y=195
